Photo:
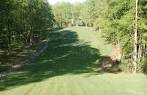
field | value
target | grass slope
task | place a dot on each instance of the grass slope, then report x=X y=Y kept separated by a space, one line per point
x=67 y=69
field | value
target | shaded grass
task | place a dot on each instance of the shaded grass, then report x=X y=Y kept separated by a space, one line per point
x=19 y=52
x=66 y=54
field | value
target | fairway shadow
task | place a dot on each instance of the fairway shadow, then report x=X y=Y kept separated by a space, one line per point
x=65 y=55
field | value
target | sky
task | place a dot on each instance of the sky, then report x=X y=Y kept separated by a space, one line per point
x=71 y=1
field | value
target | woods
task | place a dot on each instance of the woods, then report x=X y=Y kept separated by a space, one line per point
x=23 y=24
x=121 y=24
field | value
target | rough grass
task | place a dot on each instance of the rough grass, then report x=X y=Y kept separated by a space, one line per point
x=67 y=68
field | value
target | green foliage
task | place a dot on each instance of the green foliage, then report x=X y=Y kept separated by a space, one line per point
x=126 y=67
x=143 y=21
x=115 y=18
x=143 y=65
x=20 y=19
x=63 y=14
x=23 y=23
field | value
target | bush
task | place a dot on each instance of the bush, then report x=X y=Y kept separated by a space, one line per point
x=126 y=65
x=143 y=65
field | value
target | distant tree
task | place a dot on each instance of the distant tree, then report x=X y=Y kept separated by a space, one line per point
x=63 y=13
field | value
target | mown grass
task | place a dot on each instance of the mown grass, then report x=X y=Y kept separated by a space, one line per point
x=67 y=68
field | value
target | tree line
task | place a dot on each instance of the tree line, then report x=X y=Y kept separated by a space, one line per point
x=122 y=22
x=23 y=23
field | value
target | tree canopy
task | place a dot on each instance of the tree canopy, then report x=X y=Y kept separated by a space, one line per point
x=23 y=23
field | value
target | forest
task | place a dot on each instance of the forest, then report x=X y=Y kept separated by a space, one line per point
x=23 y=26
x=43 y=45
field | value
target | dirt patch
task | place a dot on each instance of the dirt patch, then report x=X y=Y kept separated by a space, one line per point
x=110 y=63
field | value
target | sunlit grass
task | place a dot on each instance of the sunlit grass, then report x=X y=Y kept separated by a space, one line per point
x=85 y=84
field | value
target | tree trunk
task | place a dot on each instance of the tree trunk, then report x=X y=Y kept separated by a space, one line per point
x=140 y=47
x=61 y=22
x=9 y=36
x=135 y=59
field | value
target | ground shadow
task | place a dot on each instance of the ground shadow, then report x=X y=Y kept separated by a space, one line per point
x=65 y=55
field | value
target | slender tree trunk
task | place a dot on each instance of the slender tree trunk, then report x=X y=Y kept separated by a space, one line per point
x=31 y=36
x=135 y=59
x=118 y=47
x=72 y=20
x=140 y=48
x=9 y=39
x=61 y=22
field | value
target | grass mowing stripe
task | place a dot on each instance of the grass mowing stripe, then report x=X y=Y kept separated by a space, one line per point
x=46 y=85
x=38 y=89
x=42 y=88
x=22 y=90
x=56 y=86
x=103 y=85
x=65 y=84
x=119 y=83
x=26 y=90
x=32 y=90
x=68 y=86
x=49 y=86
x=60 y=88
x=91 y=88
x=83 y=88
x=87 y=89
x=76 y=89
x=72 y=86
x=99 y=86
x=65 y=80
x=78 y=86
